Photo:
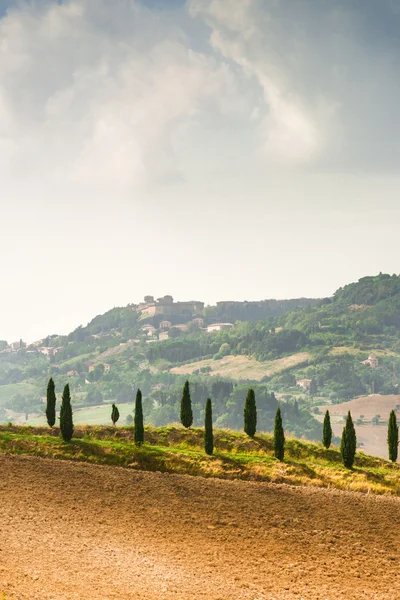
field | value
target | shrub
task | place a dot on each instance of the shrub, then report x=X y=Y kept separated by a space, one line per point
x=114 y=414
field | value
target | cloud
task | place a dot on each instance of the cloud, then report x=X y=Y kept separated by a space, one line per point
x=101 y=91
x=123 y=94
x=326 y=73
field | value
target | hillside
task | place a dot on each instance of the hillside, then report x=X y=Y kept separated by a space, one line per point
x=300 y=353
x=218 y=539
x=174 y=449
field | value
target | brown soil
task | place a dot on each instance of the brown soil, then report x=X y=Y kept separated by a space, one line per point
x=77 y=531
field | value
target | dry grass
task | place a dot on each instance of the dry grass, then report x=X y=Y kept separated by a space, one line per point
x=176 y=450
x=244 y=367
x=339 y=350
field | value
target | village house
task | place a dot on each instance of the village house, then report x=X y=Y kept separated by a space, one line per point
x=165 y=325
x=304 y=383
x=166 y=306
x=371 y=361
x=181 y=327
x=50 y=351
x=148 y=330
x=218 y=327
x=198 y=321
x=17 y=345
x=163 y=335
x=106 y=367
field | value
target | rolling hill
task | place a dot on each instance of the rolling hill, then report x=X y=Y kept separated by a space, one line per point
x=302 y=353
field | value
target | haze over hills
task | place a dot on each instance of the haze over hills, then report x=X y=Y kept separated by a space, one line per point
x=303 y=353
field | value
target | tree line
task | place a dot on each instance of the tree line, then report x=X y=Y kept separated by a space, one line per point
x=348 y=445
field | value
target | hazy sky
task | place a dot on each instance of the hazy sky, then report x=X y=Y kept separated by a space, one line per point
x=208 y=149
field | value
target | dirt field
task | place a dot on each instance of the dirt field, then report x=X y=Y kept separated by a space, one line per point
x=373 y=438
x=77 y=531
x=368 y=406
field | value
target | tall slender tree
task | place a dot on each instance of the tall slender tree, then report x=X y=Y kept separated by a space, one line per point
x=51 y=403
x=393 y=437
x=208 y=429
x=250 y=414
x=279 y=436
x=114 y=414
x=327 y=431
x=186 y=407
x=348 y=444
x=139 y=427
x=66 y=422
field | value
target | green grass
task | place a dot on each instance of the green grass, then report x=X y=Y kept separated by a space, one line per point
x=71 y=361
x=95 y=415
x=175 y=450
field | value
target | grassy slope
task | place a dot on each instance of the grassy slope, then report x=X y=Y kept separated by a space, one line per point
x=91 y=415
x=244 y=367
x=175 y=450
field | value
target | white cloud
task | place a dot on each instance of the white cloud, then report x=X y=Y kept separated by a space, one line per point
x=326 y=74
x=113 y=93
x=99 y=91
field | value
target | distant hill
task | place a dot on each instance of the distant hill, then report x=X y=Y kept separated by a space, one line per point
x=369 y=290
x=301 y=353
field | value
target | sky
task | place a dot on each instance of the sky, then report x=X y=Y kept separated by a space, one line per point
x=207 y=149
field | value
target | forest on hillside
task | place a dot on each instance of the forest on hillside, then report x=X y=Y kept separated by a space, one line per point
x=112 y=356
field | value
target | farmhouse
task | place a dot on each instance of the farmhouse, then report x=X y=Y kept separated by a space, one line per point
x=148 y=330
x=371 y=361
x=218 y=327
x=199 y=321
x=304 y=383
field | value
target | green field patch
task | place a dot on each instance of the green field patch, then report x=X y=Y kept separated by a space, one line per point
x=12 y=389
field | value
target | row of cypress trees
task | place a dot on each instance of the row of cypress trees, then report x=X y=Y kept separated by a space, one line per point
x=66 y=421
x=348 y=444
x=250 y=421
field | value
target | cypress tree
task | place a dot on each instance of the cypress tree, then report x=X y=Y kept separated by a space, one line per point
x=139 y=428
x=349 y=443
x=186 y=407
x=327 y=431
x=114 y=414
x=208 y=429
x=279 y=436
x=393 y=437
x=66 y=423
x=51 y=403
x=250 y=414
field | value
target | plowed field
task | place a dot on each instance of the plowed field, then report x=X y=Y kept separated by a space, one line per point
x=78 y=531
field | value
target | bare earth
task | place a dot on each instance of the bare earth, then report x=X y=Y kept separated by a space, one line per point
x=77 y=531
x=372 y=437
